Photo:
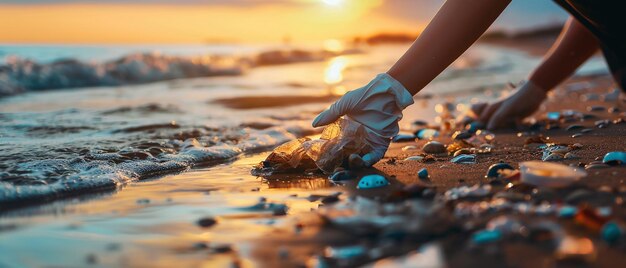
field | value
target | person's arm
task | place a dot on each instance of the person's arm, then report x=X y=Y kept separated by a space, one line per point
x=575 y=45
x=457 y=25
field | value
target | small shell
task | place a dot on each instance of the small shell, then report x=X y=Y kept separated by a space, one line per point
x=464 y=159
x=426 y=134
x=372 y=181
x=434 y=147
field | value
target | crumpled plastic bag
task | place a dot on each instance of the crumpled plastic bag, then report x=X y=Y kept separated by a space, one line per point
x=338 y=141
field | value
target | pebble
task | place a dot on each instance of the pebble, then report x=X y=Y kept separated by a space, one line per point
x=420 y=123
x=206 y=222
x=570 y=156
x=434 y=147
x=577 y=135
x=464 y=159
x=611 y=232
x=342 y=175
x=567 y=211
x=409 y=147
x=614 y=158
x=403 y=138
x=553 y=157
x=486 y=236
x=596 y=165
x=462 y=151
x=372 y=181
x=414 y=158
x=461 y=135
x=595 y=108
x=574 y=127
x=586 y=130
x=494 y=170
x=422 y=173
x=602 y=123
x=426 y=134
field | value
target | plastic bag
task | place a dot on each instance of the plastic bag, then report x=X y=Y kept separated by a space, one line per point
x=338 y=141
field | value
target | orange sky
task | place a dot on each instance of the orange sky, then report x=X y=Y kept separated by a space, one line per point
x=171 y=23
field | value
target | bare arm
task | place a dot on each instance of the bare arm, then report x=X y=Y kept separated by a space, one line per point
x=457 y=25
x=575 y=45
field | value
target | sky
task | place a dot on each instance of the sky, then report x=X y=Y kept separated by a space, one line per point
x=227 y=21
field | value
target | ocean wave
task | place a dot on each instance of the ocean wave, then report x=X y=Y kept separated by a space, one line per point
x=20 y=75
x=101 y=170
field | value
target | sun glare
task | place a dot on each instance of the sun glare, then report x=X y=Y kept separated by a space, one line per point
x=333 y=2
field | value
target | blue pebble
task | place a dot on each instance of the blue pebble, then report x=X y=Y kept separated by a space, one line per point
x=568 y=212
x=493 y=170
x=474 y=126
x=611 y=232
x=423 y=173
x=372 y=181
x=553 y=115
x=486 y=236
x=403 y=138
x=427 y=133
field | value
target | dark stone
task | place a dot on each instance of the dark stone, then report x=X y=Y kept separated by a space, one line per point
x=206 y=222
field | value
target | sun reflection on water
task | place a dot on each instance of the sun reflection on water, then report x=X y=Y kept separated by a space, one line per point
x=333 y=75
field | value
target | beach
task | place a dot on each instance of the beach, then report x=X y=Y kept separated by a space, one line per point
x=206 y=209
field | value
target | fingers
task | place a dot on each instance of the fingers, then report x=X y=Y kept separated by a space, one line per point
x=488 y=112
x=500 y=118
x=324 y=118
x=336 y=110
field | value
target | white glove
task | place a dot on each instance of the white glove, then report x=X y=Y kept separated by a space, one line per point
x=377 y=106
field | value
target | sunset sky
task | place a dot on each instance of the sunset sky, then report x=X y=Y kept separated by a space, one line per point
x=202 y=21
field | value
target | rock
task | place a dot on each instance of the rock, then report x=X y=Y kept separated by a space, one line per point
x=461 y=135
x=206 y=222
x=611 y=232
x=570 y=156
x=574 y=127
x=577 y=135
x=426 y=134
x=434 y=147
x=494 y=170
x=372 y=181
x=409 y=147
x=553 y=157
x=342 y=175
x=464 y=159
x=462 y=151
x=414 y=158
x=486 y=236
x=614 y=158
x=422 y=173
x=567 y=212
x=595 y=108
x=403 y=138
x=602 y=123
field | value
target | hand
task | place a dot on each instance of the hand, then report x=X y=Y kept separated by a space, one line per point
x=512 y=110
x=377 y=106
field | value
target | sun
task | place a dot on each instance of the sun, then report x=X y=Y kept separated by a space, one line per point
x=333 y=2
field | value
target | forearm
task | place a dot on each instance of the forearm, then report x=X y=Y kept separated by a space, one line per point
x=574 y=46
x=457 y=25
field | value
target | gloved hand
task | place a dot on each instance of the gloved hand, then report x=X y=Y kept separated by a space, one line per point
x=513 y=109
x=377 y=106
